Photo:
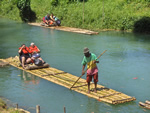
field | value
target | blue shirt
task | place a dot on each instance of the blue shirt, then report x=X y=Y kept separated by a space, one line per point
x=47 y=18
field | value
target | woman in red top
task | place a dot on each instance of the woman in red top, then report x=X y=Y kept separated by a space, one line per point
x=34 y=51
x=24 y=55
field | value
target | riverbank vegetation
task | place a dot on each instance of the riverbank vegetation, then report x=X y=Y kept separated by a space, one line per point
x=91 y=14
x=3 y=108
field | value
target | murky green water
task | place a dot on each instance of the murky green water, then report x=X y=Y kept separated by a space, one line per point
x=127 y=57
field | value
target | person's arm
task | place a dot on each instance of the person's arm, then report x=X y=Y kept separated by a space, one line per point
x=30 y=50
x=95 y=61
x=38 y=50
x=52 y=18
x=20 y=49
x=83 y=67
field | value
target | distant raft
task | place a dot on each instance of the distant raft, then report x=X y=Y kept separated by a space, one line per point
x=65 y=79
x=145 y=105
x=69 y=29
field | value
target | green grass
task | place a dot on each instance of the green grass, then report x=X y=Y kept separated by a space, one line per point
x=98 y=14
x=3 y=108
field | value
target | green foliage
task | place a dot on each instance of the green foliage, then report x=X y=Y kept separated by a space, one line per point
x=98 y=14
x=2 y=103
x=23 y=4
x=54 y=2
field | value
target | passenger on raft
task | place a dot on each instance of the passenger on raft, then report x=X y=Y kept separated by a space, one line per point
x=34 y=51
x=24 y=55
x=92 y=71
x=47 y=20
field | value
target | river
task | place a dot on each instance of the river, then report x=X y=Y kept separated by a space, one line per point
x=125 y=67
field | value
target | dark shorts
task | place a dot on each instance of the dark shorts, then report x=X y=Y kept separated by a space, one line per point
x=26 y=57
x=89 y=78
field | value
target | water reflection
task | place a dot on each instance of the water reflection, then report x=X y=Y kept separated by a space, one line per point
x=29 y=78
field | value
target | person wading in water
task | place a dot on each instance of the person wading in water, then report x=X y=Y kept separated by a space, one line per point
x=92 y=71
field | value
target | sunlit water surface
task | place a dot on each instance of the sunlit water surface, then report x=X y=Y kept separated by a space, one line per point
x=125 y=67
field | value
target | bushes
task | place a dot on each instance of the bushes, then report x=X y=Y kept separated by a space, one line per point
x=98 y=14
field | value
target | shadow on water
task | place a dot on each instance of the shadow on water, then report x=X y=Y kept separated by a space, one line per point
x=142 y=25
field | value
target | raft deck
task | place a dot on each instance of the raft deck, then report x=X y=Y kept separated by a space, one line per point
x=65 y=79
x=69 y=29
x=145 y=105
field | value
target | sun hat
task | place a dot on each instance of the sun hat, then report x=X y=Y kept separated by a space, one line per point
x=32 y=43
x=86 y=50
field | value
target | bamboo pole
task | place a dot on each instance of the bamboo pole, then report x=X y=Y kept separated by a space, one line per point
x=37 y=109
x=16 y=106
x=87 y=69
x=64 y=109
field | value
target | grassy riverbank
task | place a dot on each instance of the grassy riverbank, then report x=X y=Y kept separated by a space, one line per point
x=4 y=109
x=98 y=14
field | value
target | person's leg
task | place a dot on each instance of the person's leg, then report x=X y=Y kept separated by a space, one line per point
x=88 y=87
x=88 y=79
x=23 y=61
x=95 y=90
x=95 y=81
x=28 y=60
x=41 y=60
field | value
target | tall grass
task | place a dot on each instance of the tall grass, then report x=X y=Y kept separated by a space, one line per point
x=98 y=14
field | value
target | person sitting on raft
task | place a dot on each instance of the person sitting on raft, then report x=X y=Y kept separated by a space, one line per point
x=47 y=20
x=24 y=55
x=34 y=51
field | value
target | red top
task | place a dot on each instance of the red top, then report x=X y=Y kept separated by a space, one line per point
x=25 y=50
x=32 y=49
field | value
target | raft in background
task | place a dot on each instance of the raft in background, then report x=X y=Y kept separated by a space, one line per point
x=145 y=105
x=69 y=29
x=65 y=79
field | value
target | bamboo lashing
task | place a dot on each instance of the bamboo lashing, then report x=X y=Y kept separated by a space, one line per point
x=87 y=69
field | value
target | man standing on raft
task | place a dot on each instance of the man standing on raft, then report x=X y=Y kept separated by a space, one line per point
x=92 y=71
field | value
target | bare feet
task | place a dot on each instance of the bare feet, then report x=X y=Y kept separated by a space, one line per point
x=95 y=91
x=23 y=66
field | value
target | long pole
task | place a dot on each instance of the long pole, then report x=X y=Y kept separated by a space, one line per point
x=87 y=69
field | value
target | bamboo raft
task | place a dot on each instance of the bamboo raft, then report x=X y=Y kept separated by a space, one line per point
x=69 y=29
x=145 y=105
x=65 y=79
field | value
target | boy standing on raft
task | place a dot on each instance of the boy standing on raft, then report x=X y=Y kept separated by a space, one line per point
x=92 y=71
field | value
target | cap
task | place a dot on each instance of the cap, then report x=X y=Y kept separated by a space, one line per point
x=32 y=43
x=86 y=50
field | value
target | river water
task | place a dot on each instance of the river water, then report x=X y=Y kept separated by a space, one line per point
x=125 y=67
